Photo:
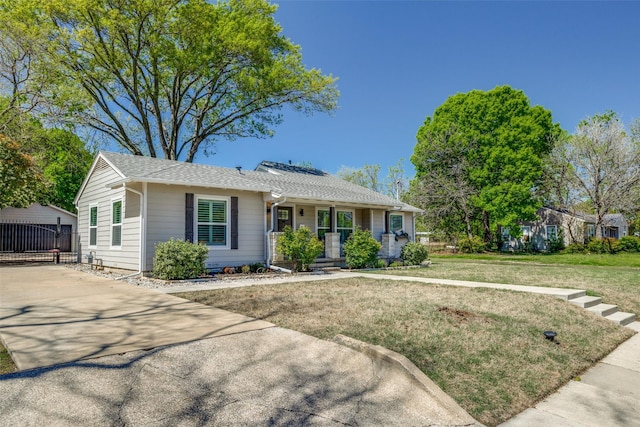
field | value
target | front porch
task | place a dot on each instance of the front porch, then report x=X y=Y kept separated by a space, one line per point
x=333 y=255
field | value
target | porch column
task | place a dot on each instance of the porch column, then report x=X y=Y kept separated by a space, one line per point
x=332 y=245
x=388 y=242
x=273 y=243
x=387 y=222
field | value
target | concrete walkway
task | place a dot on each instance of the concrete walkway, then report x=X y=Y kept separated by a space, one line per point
x=233 y=370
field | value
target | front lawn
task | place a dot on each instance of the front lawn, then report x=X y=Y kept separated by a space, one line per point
x=6 y=364
x=484 y=347
x=616 y=281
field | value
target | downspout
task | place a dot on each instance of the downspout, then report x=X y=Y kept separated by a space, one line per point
x=413 y=226
x=273 y=267
x=143 y=211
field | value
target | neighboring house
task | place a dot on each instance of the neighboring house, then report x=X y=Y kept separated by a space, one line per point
x=571 y=226
x=127 y=204
x=36 y=228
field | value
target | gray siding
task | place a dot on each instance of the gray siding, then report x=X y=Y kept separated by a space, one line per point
x=166 y=220
x=96 y=192
x=308 y=219
x=377 y=224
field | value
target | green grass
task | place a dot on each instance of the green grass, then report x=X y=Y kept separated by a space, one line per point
x=605 y=260
x=6 y=364
x=615 y=283
x=484 y=347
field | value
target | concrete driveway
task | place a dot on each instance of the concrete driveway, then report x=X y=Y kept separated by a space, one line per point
x=54 y=314
x=96 y=352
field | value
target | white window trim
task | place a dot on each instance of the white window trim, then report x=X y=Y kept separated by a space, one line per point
x=328 y=228
x=227 y=199
x=353 y=219
x=89 y=245
x=401 y=217
x=111 y=224
x=546 y=230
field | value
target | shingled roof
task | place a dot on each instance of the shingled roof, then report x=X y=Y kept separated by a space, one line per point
x=292 y=181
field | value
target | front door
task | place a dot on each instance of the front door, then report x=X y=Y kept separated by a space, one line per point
x=285 y=217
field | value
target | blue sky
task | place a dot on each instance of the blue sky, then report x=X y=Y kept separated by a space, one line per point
x=398 y=61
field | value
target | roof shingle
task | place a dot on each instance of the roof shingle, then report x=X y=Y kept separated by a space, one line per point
x=292 y=181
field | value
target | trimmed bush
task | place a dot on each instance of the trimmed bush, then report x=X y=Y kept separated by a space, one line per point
x=472 y=245
x=361 y=249
x=606 y=245
x=413 y=253
x=178 y=260
x=555 y=243
x=575 y=248
x=629 y=244
x=300 y=246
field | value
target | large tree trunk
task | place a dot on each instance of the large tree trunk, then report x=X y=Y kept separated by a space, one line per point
x=487 y=227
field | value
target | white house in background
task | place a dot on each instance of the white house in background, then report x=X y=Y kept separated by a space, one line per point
x=127 y=204
x=34 y=228
x=573 y=227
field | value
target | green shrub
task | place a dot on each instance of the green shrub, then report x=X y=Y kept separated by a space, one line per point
x=413 y=253
x=629 y=244
x=300 y=246
x=606 y=245
x=472 y=245
x=555 y=243
x=380 y=263
x=396 y=264
x=178 y=259
x=361 y=249
x=575 y=248
x=257 y=267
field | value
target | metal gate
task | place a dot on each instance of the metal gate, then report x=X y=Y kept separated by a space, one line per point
x=26 y=242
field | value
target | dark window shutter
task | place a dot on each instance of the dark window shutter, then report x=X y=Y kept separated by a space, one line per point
x=387 y=220
x=234 y=223
x=188 y=218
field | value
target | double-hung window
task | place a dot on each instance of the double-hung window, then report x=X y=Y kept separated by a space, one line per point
x=213 y=221
x=324 y=223
x=93 y=226
x=116 y=223
x=395 y=222
x=344 y=224
x=526 y=233
x=552 y=232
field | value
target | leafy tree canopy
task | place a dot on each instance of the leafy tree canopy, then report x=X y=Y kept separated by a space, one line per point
x=488 y=147
x=368 y=176
x=20 y=181
x=604 y=163
x=169 y=78
x=42 y=165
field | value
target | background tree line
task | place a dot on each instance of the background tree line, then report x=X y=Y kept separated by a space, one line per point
x=487 y=160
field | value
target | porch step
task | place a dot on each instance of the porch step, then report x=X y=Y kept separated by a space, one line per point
x=586 y=301
x=327 y=264
x=603 y=310
x=608 y=311
x=621 y=318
